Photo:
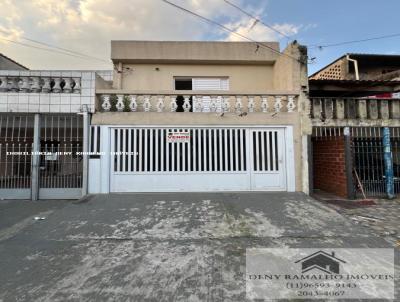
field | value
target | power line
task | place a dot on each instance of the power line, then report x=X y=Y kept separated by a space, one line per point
x=355 y=41
x=40 y=48
x=64 y=50
x=228 y=29
x=257 y=20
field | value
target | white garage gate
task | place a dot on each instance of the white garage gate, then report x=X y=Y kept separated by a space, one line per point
x=162 y=159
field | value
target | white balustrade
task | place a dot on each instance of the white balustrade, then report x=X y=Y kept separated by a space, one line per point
x=226 y=105
x=213 y=103
x=173 y=105
x=238 y=105
x=186 y=104
x=106 y=105
x=24 y=84
x=259 y=103
x=264 y=103
x=250 y=104
x=40 y=84
x=77 y=85
x=198 y=106
x=160 y=104
x=67 y=85
x=120 y=103
x=14 y=84
x=132 y=103
x=57 y=85
x=3 y=84
x=291 y=105
x=278 y=103
x=46 y=85
x=35 y=87
x=146 y=104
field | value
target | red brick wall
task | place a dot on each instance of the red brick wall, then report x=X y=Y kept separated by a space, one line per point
x=329 y=168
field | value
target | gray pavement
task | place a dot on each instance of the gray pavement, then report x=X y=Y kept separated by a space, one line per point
x=156 y=247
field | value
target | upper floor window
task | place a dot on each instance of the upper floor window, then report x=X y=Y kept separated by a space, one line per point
x=201 y=83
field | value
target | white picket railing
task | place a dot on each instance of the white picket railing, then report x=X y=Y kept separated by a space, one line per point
x=212 y=102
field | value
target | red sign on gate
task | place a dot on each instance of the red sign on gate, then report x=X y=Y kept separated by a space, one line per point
x=178 y=137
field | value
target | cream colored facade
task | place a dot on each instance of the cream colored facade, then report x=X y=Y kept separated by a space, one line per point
x=147 y=69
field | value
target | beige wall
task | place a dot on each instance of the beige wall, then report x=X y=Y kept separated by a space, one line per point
x=246 y=78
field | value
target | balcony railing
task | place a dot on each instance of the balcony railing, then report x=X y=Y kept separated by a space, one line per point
x=38 y=84
x=328 y=109
x=204 y=102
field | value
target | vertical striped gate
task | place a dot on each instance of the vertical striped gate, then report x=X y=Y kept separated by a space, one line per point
x=197 y=159
x=16 y=143
x=60 y=162
x=60 y=171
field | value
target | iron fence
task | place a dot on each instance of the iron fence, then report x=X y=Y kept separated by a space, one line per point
x=368 y=168
x=16 y=142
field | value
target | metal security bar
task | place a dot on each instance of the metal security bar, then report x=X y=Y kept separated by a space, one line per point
x=61 y=151
x=369 y=165
x=95 y=136
x=367 y=156
x=204 y=150
x=265 y=150
x=16 y=138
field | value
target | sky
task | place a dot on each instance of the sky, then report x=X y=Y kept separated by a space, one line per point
x=87 y=27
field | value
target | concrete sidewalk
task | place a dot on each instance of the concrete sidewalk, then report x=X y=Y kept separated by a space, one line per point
x=159 y=247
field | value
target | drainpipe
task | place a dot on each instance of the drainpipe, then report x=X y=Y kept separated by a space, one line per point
x=387 y=157
x=355 y=66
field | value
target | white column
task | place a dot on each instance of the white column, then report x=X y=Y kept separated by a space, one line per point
x=35 y=159
x=105 y=159
x=85 y=149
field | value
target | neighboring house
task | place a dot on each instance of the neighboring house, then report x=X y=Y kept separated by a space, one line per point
x=364 y=67
x=44 y=122
x=202 y=116
x=352 y=100
x=8 y=64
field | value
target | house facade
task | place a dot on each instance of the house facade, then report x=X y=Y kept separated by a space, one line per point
x=201 y=116
x=355 y=115
x=44 y=132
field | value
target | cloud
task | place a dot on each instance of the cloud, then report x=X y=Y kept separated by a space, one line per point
x=87 y=26
x=256 y=31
